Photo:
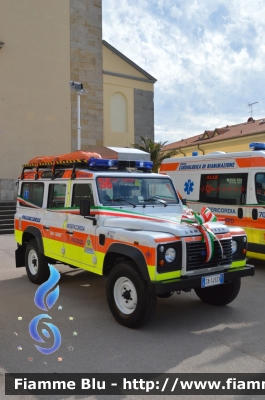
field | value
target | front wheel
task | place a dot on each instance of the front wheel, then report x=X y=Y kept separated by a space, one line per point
x=36 y=263
x=129 y=300
x=219 y=295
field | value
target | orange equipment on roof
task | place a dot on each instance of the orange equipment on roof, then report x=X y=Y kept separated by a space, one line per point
x=75 y=156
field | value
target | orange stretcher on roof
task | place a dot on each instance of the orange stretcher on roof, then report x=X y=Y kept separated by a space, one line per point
x=75 y=156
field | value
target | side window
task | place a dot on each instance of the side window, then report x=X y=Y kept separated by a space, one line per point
x=56 y=197
x=223 y=188
x=82 y=191
x=32 y=192
x=260 y=187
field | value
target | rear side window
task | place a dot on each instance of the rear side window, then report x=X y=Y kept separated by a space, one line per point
x=56 y=197
x=31 y=193
x=223 y=188
x=260 y=187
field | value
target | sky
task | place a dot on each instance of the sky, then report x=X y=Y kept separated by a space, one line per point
x=208 y=57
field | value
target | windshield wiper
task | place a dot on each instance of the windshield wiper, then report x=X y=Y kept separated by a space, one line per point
x=157 y=198
x=120 y=200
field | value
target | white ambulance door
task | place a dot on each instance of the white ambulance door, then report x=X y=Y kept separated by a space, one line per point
x=186 y=181
x=54 y=218
x=79 y=231
x=188 y=187
x=256 y=235
x=225 y=194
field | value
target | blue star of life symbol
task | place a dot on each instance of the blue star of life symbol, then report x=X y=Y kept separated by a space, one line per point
x=26 y=194
x=188 y=186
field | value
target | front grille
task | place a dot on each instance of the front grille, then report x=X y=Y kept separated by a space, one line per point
x=196 y=255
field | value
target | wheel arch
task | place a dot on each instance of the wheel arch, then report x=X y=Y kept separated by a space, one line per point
x=31 y=232
x=122 y=251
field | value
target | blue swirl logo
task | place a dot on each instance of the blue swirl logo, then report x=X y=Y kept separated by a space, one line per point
x=46 y=303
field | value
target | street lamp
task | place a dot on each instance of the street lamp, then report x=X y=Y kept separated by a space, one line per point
x=78 y=87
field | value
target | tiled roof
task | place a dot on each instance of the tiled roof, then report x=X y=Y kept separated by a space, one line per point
x=225 y=133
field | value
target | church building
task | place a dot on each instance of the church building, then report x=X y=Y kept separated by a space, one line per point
x=43 y=45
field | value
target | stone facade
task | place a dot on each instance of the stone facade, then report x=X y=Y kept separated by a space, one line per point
x=8 y=189
x=143 y=114
x=86 y=66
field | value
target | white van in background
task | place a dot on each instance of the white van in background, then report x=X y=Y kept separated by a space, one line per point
x=231 y=185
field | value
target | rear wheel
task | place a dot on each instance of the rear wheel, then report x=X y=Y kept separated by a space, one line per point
x=129 y=300
x=220 y=295
x=36 y=263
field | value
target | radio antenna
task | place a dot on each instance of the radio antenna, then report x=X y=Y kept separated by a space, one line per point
x=128 y=156
x=251 y=105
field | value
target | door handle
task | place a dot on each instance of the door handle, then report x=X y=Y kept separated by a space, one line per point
x=46 y=227
x=70 y=232
x=254 y=214
x=240 y=212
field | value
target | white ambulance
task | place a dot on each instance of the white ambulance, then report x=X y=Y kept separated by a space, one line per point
x=231 y=185
x=116 y=218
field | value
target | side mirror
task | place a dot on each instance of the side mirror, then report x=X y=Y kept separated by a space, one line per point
x=84 y=208
x=184 y=202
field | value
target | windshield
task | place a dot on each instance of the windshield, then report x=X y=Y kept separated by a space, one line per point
x=136 y=191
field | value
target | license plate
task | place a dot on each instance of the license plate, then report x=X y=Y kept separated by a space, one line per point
x=212 y=280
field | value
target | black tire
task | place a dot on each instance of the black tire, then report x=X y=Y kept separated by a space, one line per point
x=165 y=295
x=36 y=263
x=220 y=295
x=129 y=300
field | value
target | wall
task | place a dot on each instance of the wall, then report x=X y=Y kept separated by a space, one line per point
x=35 y=107
x=112 y=138
x=121 y=77
x=143 y=114
x=86 y=67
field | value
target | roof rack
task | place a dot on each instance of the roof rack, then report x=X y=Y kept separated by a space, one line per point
x=92 y=164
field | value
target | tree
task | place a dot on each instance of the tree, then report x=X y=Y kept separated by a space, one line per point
x=157 y=154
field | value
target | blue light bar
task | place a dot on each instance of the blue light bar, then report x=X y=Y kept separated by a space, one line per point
x=195 y=153
x=102 y=163
x=257 y=146
x=145 y=165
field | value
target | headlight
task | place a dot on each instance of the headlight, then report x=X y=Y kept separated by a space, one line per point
x=234 y=246
x=170 y=255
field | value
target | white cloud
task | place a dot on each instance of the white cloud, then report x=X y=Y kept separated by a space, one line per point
x=176 y=12
x=208 y=58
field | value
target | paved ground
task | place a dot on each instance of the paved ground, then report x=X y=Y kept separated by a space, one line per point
x=185 y=335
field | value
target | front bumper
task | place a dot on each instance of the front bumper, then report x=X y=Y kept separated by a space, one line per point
x=191 y=282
